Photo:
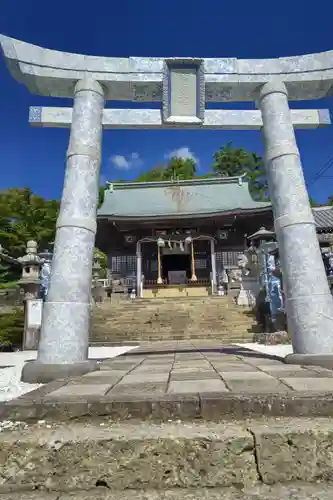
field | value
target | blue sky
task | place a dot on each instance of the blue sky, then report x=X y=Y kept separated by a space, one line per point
x=243 y=29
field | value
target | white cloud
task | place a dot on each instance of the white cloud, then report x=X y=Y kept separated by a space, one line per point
x=120 y=162
x=183 y=152
x=126 y=163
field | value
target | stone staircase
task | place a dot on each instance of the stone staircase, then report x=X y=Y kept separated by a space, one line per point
x=183 y=318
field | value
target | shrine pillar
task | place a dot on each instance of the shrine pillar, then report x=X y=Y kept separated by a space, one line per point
x=160 y=244
x=138 y=270
x=193 y=277
x=213 y=260
x=309 y=304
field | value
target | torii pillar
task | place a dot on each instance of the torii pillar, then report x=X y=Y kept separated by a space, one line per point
x=63 y=347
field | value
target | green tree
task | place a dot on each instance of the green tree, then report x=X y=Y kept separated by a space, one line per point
x=101 y=195
x=25 y=216
x=233 y=162
x=256 y=175
x=180 y=169
x=176 y=169
x=152 y=175
x=230 y=161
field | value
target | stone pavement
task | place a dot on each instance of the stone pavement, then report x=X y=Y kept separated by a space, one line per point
x=183 y=380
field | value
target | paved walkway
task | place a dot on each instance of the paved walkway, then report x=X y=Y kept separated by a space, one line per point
x=199 y=371
x=188 y=380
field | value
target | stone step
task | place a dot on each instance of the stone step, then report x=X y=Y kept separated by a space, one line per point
x=174 y=303
x=185 y=322
x=218 y=334
x=218 y=329
x=294 y=491
x=180 y=327
x=138 y=340
x=148 y=310
x=133 y=342
x=173 y=318
x=171 y=312
x=178 y=331
x=186 y=456
x=158 y=319
x=216 y=313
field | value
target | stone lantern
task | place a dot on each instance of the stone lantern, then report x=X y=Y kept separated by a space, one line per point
x=259 y=241
x=261 y=253
x=262 y=242
x=30 y=282
x=98 y=291
x=31 y=264
x=96 y=267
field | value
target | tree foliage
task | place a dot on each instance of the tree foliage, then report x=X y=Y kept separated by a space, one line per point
x=25 y=216
x=12 y=327
x=230 y=161
x=175 y=169
x=233 y=162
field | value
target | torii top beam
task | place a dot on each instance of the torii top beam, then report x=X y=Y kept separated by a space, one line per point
x=54 y=73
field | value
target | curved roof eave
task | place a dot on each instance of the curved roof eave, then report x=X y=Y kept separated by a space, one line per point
x=54 y=73
x=202 y=215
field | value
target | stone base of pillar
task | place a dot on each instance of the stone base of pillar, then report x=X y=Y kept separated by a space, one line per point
x=323 y=360
x=35 y=372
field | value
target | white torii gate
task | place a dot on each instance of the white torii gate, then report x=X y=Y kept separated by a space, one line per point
x=183 y=86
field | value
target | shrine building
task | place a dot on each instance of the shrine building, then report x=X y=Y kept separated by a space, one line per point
x=174 y=238
x=177 y=234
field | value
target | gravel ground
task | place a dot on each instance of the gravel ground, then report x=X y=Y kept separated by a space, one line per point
x=11 y=364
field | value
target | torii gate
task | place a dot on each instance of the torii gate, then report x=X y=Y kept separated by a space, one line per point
x=183 y=86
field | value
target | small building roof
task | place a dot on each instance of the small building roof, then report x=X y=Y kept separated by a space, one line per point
x=323 y=217
x=199 y=197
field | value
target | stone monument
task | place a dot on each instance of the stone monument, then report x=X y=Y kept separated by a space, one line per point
x=183 y=86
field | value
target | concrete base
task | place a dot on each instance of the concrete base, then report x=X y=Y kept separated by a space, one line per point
x=324 y=360
x=35 y=372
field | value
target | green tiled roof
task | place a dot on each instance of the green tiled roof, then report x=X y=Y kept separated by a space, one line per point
x=182 y=198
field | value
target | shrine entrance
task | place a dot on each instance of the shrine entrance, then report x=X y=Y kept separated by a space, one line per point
x=176 y=268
